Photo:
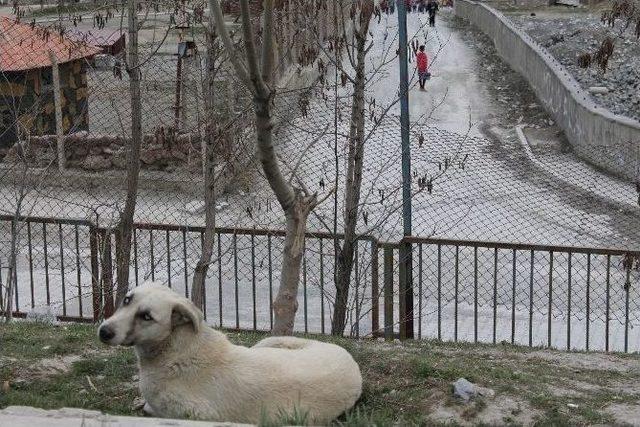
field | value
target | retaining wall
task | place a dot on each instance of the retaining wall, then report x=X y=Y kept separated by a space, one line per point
x=598 y=136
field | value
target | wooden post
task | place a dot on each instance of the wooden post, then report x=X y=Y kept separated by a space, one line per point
x=57 y=101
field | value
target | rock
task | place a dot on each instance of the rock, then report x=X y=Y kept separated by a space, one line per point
x=195 y=207
x=598 y=90
x=466 y=390
x=96 y=163
x=119 y=160
x=42 y=315
x=221 y=206
x=155 y=156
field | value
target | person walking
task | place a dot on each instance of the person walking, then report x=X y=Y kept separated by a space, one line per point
x=422 y=62
x=432 y=8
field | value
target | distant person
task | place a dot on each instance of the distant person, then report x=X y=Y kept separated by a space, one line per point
x=432 y=8
x=422 y=62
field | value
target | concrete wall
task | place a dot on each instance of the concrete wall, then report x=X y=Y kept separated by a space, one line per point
x=598 y=136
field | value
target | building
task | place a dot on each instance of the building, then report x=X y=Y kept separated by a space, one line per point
x=26 y=81
x=110 y=42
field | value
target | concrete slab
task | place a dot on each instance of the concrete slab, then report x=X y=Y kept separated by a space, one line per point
x=24 y=416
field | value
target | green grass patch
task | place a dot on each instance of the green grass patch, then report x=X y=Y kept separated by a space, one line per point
x=404 y=384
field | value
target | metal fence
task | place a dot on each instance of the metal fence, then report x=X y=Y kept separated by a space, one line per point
x=552 y=296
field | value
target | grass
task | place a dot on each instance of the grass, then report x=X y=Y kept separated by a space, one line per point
x=404 y=384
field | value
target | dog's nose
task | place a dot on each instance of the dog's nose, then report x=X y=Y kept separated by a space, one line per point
x=106 y=334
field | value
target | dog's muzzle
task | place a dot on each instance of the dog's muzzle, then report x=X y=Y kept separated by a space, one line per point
x=106 y=334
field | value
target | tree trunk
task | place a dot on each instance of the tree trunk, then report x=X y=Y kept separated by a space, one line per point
x=297 y=207
x=257 y=74
x=125 y=228
x=353 y=183
x=200 y=274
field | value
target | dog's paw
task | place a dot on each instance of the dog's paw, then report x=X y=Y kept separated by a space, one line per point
x=138 y=403
x=148 y=410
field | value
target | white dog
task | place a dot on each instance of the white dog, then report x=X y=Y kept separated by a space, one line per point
x=189 y=370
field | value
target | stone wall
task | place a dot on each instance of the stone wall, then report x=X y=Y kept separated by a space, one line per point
x=607 y=141
x=28 y=95
x=159 y=152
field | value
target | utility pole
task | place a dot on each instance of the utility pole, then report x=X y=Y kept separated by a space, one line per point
x=406 y=264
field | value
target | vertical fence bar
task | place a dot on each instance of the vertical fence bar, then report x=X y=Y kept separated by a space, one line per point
x=475 y=294
x=388 y=293
x=531 y=299
x=46 y=261
x=13 y=280
x=78 y=271
x=270 y=282
x=608 y=304
x=420 y=291
x=439 y=292
x=107 y=274
x=253 y=280
x=151 y=252
x=168 y=241
x=357 y=290
x=321 y=287
x=62 y=278
x=588 y=301
x=455 y=296
x=135 y=256
x=220 y=278
x=204 y=288
x=31 y=283
x=235 y=274
x=495 y=294
x=304 y=290
x=513 y=298
x=550 y=299
x=402 y=291
x=375 y=291
x=186 y=273
x=96 y=299
x=569 y=303
x=627 y=287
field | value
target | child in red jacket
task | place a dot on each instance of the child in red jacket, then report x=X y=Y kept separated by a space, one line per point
x=423 y=67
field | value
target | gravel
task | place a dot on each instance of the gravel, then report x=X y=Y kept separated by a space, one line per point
x=567 y=36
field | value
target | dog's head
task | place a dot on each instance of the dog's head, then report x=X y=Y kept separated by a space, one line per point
x=148 y=315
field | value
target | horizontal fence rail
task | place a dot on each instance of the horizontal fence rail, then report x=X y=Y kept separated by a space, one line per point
x=534 y=295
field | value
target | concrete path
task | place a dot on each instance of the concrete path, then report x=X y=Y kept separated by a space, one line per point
x=23 y=416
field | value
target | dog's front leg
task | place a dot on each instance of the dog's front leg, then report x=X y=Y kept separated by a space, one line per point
x=148 y=410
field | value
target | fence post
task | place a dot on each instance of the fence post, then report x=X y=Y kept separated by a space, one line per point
x=375 y=291
x=405 y=293
x=107 y=273
x=388 y=293
x=95 y=273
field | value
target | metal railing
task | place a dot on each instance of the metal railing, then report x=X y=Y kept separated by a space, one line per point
x=535 y=295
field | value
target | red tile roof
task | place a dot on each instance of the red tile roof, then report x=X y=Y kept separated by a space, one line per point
x=23 y=46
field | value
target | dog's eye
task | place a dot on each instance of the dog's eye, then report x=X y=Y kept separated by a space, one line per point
x=126 y=300
x=146 y=316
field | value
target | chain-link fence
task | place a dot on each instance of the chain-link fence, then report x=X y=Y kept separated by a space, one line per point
x=468 y=186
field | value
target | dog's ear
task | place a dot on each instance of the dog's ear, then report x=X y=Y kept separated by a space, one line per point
x=186 y=312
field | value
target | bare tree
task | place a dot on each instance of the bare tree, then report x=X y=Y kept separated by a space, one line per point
x=361 y=14
x=256 y=72
x=200 y=274
x=125 y=226
x=624 y=15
